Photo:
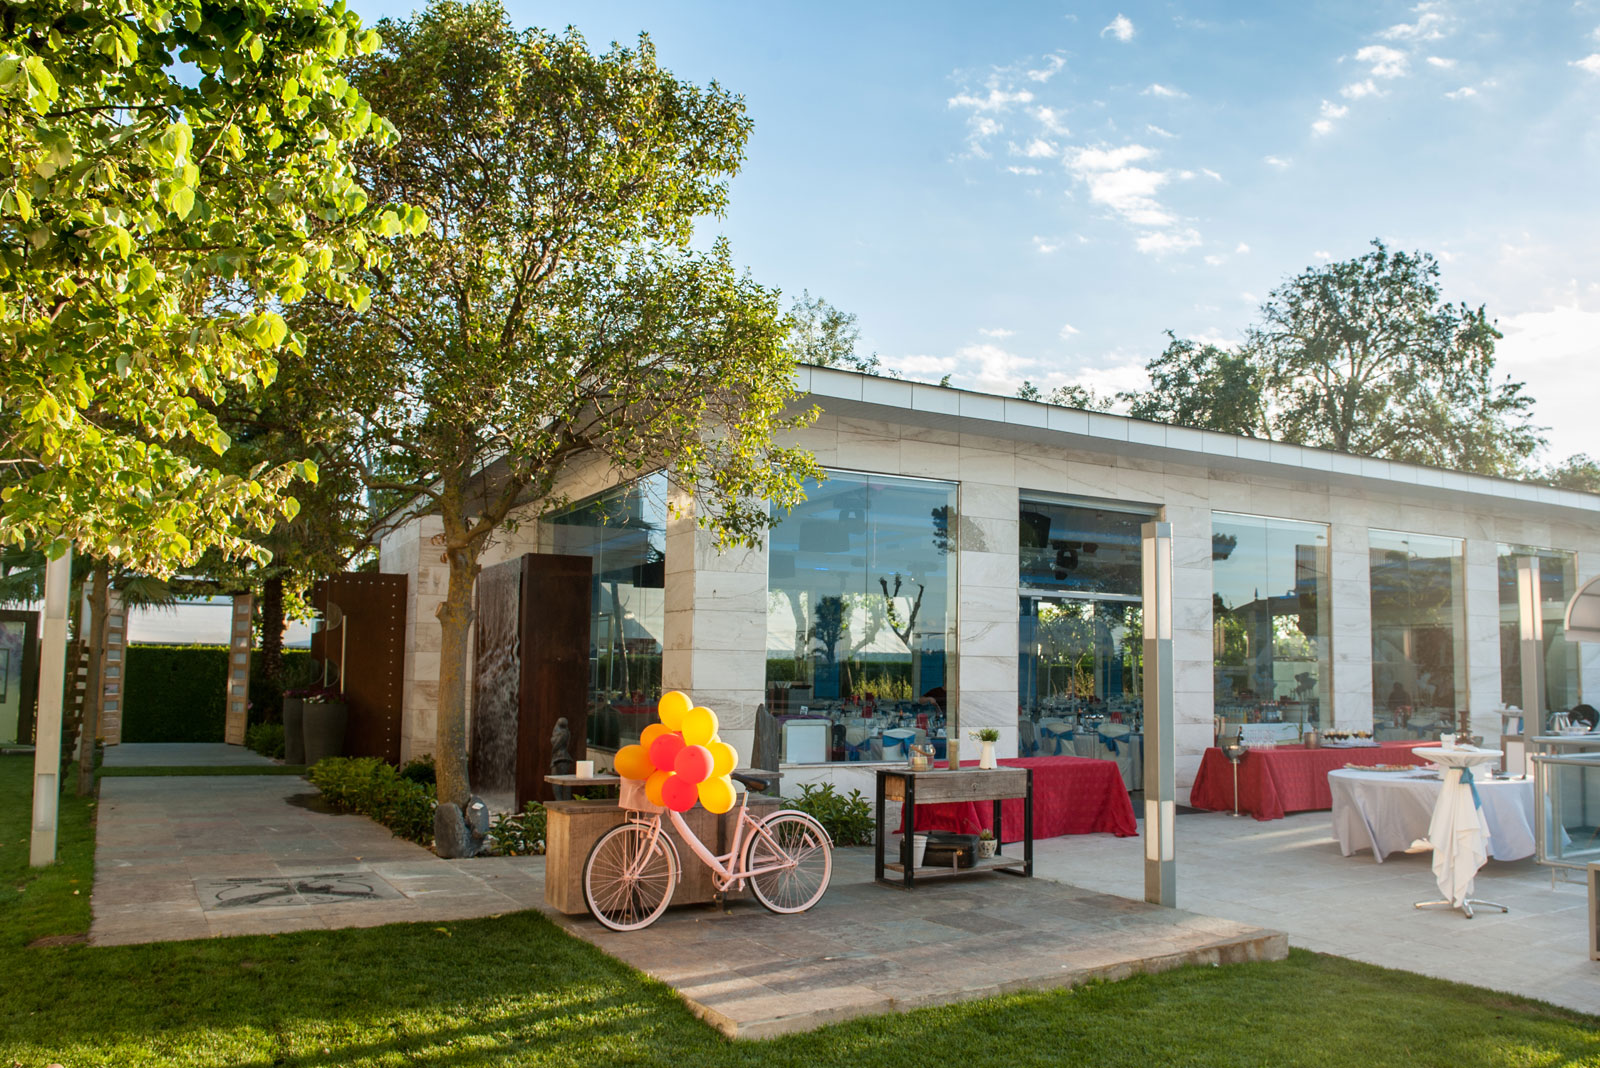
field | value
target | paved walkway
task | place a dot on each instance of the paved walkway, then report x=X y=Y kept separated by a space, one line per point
x=1288 y=874
x=181 y=754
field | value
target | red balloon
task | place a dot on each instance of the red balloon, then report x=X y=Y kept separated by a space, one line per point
x=694 y=763
x=664 y=750
x=679 y=794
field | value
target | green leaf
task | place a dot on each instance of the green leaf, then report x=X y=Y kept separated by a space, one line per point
x=182 y=201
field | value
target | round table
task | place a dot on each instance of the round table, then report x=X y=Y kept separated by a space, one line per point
x=1387 y=811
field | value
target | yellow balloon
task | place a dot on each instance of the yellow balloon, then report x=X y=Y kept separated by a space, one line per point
x=653 y=785
x=717 y=795
x=671 y=708
x=724 y=758
x=699 y=726
x=633 y=762
x=651 y=733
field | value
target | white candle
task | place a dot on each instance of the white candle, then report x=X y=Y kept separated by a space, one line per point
x=585 y=769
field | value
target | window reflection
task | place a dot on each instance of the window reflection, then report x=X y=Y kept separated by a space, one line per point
x=1418 y=636
x=860 y=587
x=1270 y=630
x=624 y=532
x=1558 y=581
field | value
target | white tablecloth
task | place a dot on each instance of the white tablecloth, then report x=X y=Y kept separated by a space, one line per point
x=1387 y=811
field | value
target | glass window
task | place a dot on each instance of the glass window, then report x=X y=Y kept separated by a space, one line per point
x=1558 y=581
x=1418 y=635
x=1081 y=548
x=1270 y=632
x=860 y=587
x=624 y=531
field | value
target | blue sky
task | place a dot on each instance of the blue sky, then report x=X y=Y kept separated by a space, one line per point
x=1038 y=191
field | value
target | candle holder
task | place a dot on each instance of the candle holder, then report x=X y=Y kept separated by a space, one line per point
x=1235 y=750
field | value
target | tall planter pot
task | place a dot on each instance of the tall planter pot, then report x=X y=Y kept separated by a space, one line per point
x=323 y=727
x=294 y=741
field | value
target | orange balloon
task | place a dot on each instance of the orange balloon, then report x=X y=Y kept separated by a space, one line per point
x=632 y=762
x=699 y=726
x=724 y=758
x=671 y=708
x=653 y=785
x=655 y=730
x=717 y=794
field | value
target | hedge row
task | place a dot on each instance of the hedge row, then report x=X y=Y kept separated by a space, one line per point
x=178 y=693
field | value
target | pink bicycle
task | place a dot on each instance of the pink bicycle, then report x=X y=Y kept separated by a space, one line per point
x=628 y=880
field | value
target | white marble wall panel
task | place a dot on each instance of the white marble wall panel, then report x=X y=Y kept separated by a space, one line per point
x=1482 y=609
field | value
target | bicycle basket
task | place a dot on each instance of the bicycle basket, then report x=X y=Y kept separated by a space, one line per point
x=631 y=796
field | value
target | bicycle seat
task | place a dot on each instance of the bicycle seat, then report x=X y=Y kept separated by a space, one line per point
x=755 y=779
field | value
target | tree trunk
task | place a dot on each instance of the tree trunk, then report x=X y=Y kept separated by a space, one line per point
x=99 y=626
x=272 y=629
x=450 y=735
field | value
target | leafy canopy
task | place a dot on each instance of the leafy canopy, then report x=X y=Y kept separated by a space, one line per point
x=174 y=174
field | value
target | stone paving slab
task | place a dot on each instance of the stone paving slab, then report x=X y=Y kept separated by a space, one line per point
x=182 y=755
x=868 y=949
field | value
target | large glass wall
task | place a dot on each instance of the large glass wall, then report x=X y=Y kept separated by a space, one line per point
x=1270 y=623
x=1558 y=581
x=1080 y=633
x=624 y=532
x=1418 y=632
x=861 y=582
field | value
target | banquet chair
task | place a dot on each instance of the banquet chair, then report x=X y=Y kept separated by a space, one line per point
x=1116 y=743
x=857 y=746
x=1053 y=736
x=897 y=743
x=1027 y=739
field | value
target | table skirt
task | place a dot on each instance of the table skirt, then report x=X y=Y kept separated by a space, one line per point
x=1290 y=778
x=1071 y=795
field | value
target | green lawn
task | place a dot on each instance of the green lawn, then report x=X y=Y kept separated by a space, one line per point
x=517 y=991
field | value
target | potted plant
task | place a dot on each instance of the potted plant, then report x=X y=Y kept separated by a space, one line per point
x=297 y=683
x=986 y=844
x=324 y=716
x=988 y=736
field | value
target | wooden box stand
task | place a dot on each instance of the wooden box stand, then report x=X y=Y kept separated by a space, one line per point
x=573 y=827
x=943 y=787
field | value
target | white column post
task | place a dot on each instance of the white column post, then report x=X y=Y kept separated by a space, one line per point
x=1531 y=624
x=1160 y=787
x=47 y=729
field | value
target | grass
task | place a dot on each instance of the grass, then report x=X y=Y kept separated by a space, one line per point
x=123 y=772
x=515 y=990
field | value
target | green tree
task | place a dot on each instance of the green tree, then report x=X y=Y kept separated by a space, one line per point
x=1072 y=395
x=1580 y=472
x=174 y=173
x=552 y=313
x=822 y=335
x=1202 y=386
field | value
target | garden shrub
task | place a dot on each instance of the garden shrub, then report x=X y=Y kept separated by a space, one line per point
x=521 y=834
x=266 y=739
x=174 y=693
x=372 y=788
x=847 y=819
x=420 y=770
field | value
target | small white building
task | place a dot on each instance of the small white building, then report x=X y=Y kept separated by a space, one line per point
x=978 y=557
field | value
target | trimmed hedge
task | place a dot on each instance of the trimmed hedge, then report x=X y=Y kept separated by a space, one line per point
x=178 y=693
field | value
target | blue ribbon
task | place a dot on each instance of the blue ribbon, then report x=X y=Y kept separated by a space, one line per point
x=1110 y=744
x=902 y=744
x=1466 y=777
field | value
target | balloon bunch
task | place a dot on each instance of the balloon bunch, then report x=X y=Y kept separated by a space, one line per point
x=680 y=759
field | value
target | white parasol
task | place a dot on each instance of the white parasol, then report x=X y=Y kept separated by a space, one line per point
x=1458 y=832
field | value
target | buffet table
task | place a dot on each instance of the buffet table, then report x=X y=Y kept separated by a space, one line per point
x=1290 y=778
x=1071 y=795
x=1387 y=811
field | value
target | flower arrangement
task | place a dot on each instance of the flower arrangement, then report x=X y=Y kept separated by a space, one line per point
x=985 y=734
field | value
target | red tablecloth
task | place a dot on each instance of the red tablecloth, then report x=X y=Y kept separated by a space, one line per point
x=1290 y=778
x=1071 y=795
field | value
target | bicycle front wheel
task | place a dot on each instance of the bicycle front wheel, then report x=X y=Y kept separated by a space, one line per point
x=801 y=855
x=629 y=876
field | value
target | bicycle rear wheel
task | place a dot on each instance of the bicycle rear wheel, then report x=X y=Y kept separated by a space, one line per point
x=629 y=876
x=799 y=843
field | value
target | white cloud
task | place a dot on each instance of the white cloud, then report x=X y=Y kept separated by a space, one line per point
x=1045 y=245
x=1248 y=297
x=1024 y=170
x=1385 y=62
x=1550 y=349
x=1184 y=176
x=1170 y=92
x=1209 y=173
x=997 y=100
x=1120 y=27
x=1039 y=148
x=1321 y=126
x=1216 y=261
x=1162 y=242
x=1052 y=67
x=1588 y=63
x=1050 y=119
x=996 y=370
x=1462 y=93
x=1067 y=330
x=985 y=127
x=921 y=366
x=1357 y=90
x=1329 y=112
x=997 y=331
x=1159 y=132
x=1242 y=249
x=1428 y=27
x=1108 y=159
x=1323 y=254
x=1441 y=62
x=1277 y=161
